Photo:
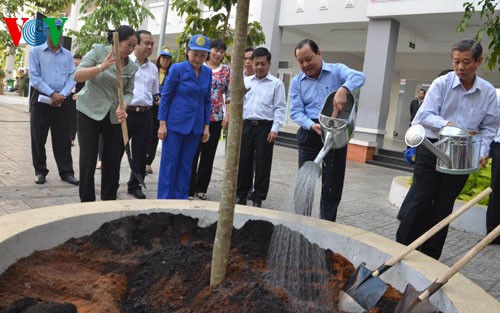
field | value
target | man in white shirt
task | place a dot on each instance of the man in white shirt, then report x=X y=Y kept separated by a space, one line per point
x=459 y=98
x=140 y=118
x=264 y=108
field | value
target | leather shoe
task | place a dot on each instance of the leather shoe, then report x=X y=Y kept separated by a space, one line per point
x=242 y=201
x=137 y=193
x=71 y=179
x=257 y=203
x=40 y=179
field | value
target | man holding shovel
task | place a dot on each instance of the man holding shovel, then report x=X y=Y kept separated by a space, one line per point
x=459 y=98
x=308 y=92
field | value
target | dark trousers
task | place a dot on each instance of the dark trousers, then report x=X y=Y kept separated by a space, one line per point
x=88 y=137
x=72 y=109
x=255 y=150
x=493 y=212
x=432 y=199
x=153 y=141
x=333 y=171
x=43 y=118
x=202 y=170
x=139 y=132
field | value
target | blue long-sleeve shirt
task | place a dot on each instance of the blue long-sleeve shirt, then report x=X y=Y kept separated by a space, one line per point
x=51 y=72
x=307 y=94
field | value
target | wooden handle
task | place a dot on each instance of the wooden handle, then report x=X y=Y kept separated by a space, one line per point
x=443 y=279
x=121 y=101
x=431 y=232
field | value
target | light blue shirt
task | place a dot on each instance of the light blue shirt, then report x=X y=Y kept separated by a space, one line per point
x=307 y=94
x=447 y=100
x=265 y=100
x=51 y=72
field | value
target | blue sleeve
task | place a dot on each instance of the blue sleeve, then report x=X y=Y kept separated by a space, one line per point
x=352 y=79
x=208 y=99
x=168 y=92
x=297 y=108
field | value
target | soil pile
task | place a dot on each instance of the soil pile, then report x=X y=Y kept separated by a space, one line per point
x=159 y=263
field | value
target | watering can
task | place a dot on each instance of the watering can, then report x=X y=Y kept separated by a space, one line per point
x=457 y=150
x=335 y=131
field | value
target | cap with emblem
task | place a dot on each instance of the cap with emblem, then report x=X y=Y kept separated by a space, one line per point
x=199 y=42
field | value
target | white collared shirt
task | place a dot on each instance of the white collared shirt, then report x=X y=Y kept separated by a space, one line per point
x=145 y=83
x=265 y=100
x=448 y=101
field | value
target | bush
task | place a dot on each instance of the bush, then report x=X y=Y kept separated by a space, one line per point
x=476 y=183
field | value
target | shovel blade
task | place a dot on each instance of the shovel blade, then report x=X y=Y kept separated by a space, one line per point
x=364 y=289
x=410 y=303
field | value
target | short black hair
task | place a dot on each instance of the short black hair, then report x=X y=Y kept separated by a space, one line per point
x=249 y=49
x=308 y=42
x=422 y=89
x=140 y=32
x=77 y=56
x=218 y=44
x=260 y=52
x=469 y=45
x=124 y=32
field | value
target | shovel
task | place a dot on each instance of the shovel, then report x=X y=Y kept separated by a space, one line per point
x=418 y=302
x=133 y=166
x=365 y=288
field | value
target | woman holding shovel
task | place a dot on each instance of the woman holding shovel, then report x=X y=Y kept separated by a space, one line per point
x=99 y=112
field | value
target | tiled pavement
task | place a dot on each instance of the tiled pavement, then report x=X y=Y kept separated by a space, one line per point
x=364 y=203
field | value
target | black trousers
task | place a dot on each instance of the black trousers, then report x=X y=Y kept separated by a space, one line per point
x=88 y=138
x=203 y=161
x=432 y=199
x=493 y=211
x=255 y=150
x=333 y=171
x=72 y=108
x=153 y=141
x=139 y=131
x=43 y=118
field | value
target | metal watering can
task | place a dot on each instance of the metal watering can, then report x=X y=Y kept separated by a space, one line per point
x=335 y=131
x=457 y=150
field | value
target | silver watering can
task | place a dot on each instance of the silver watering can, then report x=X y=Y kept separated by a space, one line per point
x=457 y=150
x=335 y=131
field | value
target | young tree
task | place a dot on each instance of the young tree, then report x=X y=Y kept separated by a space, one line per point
x=490 y=16
x=222 y=243
x=106 y=15
x=215 y=26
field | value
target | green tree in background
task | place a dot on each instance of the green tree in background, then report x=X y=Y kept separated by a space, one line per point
x=214 y=26
x=490 y=17
x=107 y=15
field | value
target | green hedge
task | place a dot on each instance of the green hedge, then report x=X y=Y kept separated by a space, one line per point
x=476 y=183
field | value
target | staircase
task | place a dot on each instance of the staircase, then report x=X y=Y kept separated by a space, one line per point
x=391 y=159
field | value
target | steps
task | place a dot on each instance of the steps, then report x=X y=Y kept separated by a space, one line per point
x=391 y=159
x=288 y=140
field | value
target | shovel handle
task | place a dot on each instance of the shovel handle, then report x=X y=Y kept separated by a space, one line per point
x=443 y=279
x=121 y=101
x=431 y=232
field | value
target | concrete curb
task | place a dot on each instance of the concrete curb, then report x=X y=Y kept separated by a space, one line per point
x=24 y=232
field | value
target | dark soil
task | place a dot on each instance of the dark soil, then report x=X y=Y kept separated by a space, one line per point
x=157 y=263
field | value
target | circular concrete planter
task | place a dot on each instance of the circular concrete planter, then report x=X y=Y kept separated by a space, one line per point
x=473 y=221
x=23 y=233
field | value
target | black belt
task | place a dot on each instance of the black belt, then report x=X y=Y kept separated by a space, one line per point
x=132 y=108
x=257 y=122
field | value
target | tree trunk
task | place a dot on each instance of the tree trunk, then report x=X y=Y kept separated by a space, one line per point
x=220 y=254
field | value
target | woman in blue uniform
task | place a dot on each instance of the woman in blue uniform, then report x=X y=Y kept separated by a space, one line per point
x=184 y=117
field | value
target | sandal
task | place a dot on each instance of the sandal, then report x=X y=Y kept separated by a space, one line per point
x=201 y=196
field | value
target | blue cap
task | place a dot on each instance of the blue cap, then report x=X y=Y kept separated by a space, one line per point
x=410 y=155
x=199 y=42
x=166 y=52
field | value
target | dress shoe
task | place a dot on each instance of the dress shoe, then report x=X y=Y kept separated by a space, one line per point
x=40 y=179
x=242 y=201
x=137 y=193
x=71 y=179
x=257 y=203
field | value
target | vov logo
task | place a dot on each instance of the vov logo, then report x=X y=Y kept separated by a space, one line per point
x=34 y=31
